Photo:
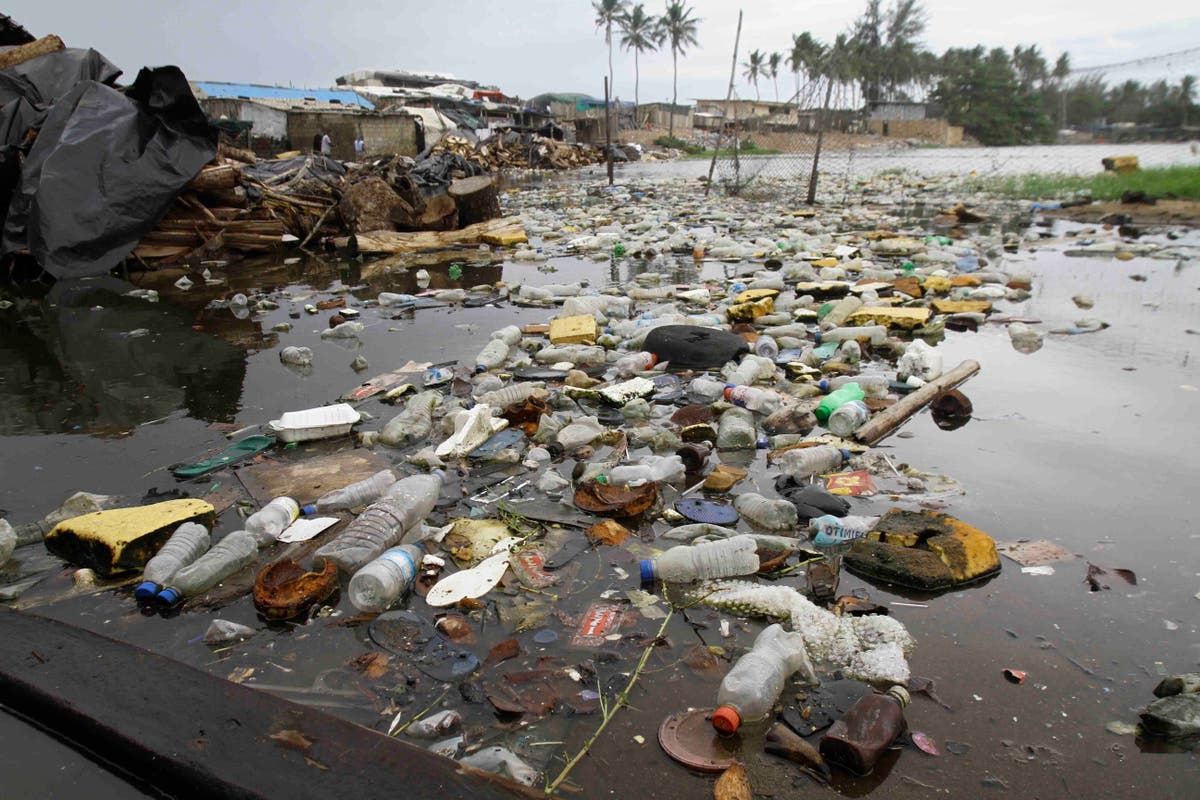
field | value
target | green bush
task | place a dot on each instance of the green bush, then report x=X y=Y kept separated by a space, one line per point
x=675 y=143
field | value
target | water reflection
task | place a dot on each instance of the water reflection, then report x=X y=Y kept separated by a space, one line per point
x=86 y=359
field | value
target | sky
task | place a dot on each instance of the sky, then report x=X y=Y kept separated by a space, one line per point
x=527 y=47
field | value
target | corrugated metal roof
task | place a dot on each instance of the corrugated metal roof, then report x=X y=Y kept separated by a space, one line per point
x=286 y=104
x=255 y=92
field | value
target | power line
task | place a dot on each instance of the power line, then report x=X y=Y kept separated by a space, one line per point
x=1137 y=61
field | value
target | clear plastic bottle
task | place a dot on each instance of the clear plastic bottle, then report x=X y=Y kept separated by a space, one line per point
x=272 y=519
x=187 y=543
x=871 y=385
x=767 y=347
x=875 y=334
x=857 y=740
x=829 y=530
x=383 y=581
x=803 y=463
x=493 y=354
x=706 y=390
x=385 y=522
x=723 y=558
x=751 y=370
x=347 y=330
x=632 y=364
x=506 y=396
x=841 y=310
x=834 y=400
x=775 y=515
x=235 y=551
x=650 y=469
x=750 y=689
x=359 y=493
x=414 y=423
x=509 y=334
x=736 y=430
x=387 y=299
x=764 y=401
x=296 y=356
x=848 y=418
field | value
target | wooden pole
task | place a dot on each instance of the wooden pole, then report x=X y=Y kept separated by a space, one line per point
x=886 y=422
x=608 y=132
x=812 y=178
x=728 y=96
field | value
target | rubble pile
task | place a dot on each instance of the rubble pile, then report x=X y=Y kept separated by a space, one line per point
x=512 y=151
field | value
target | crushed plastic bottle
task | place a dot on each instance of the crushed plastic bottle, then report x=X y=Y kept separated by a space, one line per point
x=296 y=356
x=763 y=401
x=847 y=418
x=272 y=519
x=919 y=361
x=804 y=463
x=414 y=423
x=848 y=393
x=736 y=430
x=718 y=559
x=749 y=690
x=189 y=541
x=384 y=523
x=775 y=515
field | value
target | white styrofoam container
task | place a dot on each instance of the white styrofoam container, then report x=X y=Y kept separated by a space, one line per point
x=315 y=423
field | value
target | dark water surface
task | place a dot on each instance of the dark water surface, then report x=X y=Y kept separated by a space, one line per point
x=1091 y=442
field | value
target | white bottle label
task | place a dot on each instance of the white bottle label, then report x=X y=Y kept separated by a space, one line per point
x=403 y=560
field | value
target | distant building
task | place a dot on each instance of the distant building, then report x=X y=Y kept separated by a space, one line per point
x=658 y=115
x=912 y=120
x=284 y=118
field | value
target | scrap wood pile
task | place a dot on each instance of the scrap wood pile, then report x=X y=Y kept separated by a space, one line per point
x=510 y=151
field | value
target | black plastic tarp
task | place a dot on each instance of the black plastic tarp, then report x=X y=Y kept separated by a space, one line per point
x=105 y=164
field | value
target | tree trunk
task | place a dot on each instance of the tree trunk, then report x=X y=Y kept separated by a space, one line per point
x=674 y=94
x=637 y=80
x=441 y=214
x=477 y=199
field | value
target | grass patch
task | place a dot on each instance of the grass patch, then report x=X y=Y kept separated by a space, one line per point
x=1181 y=182
x=748 y=149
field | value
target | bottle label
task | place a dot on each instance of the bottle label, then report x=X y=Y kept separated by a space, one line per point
x=401 y=559
x=738 y=395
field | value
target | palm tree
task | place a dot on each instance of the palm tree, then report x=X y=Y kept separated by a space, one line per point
x=640 y=33
x=756 y=68
x=773 y=62
x=609 y=13
x=1062 y=70
x=678 y=26
x=806 y=53
x=1187 y=90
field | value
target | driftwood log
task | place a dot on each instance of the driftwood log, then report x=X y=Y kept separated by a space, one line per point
x=477 y=199
x=506 y=230
x=886 y=422
x=225 y=176
x=23 y=52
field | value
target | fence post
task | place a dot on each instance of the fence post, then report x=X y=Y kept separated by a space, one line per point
x=728 y=95
x=608 y=131
x=812 y=178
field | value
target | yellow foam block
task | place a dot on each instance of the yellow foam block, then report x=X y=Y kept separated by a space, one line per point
x=123 y=539
x=936 y=284
x=505 y=238
x=748 y=312
x=750 y=295
x=825 y=262
x=961 y=306
x=967 y=551
x=574 y=330
x=892 y=317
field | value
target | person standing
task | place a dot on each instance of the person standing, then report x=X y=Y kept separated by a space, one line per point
x=360 y=148
x=326 y=144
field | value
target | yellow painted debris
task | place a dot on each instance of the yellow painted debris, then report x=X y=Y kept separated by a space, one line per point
x=123 y=539
x=936 y=284
x=825 y=262
x=747 y=312
x=902 y=317
x=573 y=330
x=961 y=306
x=965 y=280
x=1120 y=163
x=505 y=238
x=750 y=295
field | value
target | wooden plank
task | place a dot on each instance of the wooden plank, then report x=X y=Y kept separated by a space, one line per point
x=885 y=422
x=192 y=735
x=307 y=477
x=392 y=242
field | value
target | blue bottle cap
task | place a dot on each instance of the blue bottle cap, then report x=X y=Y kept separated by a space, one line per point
x=169 y=597
x=647 y=567
x=308 y=510
x=823 y=385
x=145 y=591
x=845 y=454
x=440 y=473
x=817 y=338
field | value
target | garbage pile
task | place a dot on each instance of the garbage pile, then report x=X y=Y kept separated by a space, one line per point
x=514 y=151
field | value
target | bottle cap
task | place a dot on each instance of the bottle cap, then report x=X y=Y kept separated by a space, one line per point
x=169 y=597
x=145 y=591
x=845 y=454
x=441 y=474
x=647 y=567
x=308 y=510
x=901 y=694
x=726 y=719
x=823 y=385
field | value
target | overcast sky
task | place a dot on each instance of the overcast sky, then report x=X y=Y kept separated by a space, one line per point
x=531 y=46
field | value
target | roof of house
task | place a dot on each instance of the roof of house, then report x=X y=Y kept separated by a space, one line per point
x=251 y=91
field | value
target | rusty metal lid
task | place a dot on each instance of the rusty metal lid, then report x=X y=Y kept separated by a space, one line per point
x=284 y=589
x=690 y=739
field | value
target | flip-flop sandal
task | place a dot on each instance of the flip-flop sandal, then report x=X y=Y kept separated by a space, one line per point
x=238 y=451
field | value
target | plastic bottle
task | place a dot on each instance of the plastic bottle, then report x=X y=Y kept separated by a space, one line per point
x=8 y=540
x=387 y=299
x=296 y=356
x=723 y=558
x=1024 y=338
x=272 y=519
x=750 y=689
x=919 y=361
x=871 y=385
x=651 y=469
x=347 y=330
x=414 y=423
x=736 y=430
x=493 y=354
x=510 y=395
x=767 y=347
x=803 y=463
x=385 y=522
x=187 y=543
x=857 y=740
x=360 y=493
x=383 y=581
x=829 y=530
x=706 y=390
x=632 y=364
x=751 y=370
x=509 y=334
x=235 y=551
x=831 y=402
x=775 y=515
x=848 y=418
x=841 y=310
x=875 y=334
x=764 y=401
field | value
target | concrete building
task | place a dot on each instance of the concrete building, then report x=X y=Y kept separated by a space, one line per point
x=911 y=120
x=284 y=118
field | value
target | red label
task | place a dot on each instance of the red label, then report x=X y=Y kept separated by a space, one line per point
x=601 y=619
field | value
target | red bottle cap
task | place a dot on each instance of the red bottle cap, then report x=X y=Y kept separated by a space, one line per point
x=726 y=719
